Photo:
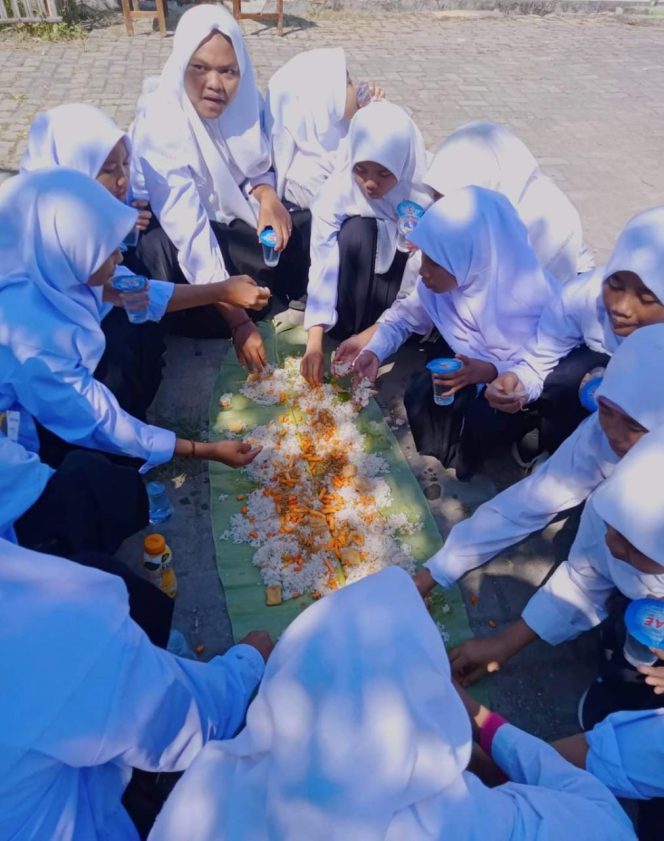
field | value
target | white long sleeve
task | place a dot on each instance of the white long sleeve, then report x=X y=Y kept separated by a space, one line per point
x=23 y=478
x=160 y=293
x=626 y=752
x=67 y=399
x=405 y=316
x=323 y=285
x=564 y=481
x=575 y=598
x=175 y=200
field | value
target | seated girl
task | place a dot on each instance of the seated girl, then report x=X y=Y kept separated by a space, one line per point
x=627 y=410
x=309 y=104
x=356 y=269
x=203 y=162
x=483 y=289
x=82 y=137
x=583 y=326
x=374 y=745
x=61 y=233
x=489 y=155
x=617 y=556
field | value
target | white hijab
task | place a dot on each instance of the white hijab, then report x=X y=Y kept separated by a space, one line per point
x=639 y=249
x=357 y=734
x=383 y=133
x=168 y=124
x=478 y=237
x=632 y=501
x=489 y=155
x=57 y=226
x=76 y=135
x=633 y=377
x=304 y=112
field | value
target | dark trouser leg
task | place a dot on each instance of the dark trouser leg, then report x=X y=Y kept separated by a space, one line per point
x=293 y=268
x=363 y=295
x=559 y=406
x=150 y=609
x=650 y=823
x=132 y=361
x=436 y=429
x=88 y=505
x=486 y=429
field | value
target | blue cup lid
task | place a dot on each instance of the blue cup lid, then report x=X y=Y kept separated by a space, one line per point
x=155 y=488
x=587 y=394
x=410 y=208
x=444 y=365
x=129 y=283
x=644 y=619
x=268 y=237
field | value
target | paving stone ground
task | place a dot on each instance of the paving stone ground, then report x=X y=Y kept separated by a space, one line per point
x=585 y=94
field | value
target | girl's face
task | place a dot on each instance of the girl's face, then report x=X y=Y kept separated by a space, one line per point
x=435 y=277
x=105 y=272
x=621 y=430
x=114 y=173
x=374 y=179
x=212 y=77
x=630 y=304
x=623 y=550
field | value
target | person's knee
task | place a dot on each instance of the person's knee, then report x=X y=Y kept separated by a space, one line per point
x=356 y=232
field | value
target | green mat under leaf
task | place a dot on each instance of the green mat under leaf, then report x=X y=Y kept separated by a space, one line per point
x=245 y=592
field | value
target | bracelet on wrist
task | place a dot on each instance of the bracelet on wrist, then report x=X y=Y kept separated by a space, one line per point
x=192 y=454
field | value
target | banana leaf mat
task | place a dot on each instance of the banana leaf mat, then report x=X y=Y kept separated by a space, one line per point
x=245 y=592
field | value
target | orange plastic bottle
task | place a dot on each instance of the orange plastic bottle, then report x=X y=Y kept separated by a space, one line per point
x=158 y=564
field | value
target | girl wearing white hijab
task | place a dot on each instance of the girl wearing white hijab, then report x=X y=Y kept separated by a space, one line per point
x=628 y=408
x=617 y=556
x=584 y=324
x=310 y=102
x=203 y=161
x=483 y=289
x=82 y=137
x=489 y=155
x=358 y=733
x=60 y=234
x=356 y=271
x=87 y=698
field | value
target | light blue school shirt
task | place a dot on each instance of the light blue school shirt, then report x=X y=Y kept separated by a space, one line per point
x=23 y=478
x=85 y=697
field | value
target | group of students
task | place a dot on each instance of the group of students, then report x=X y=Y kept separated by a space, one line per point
x=356 y=729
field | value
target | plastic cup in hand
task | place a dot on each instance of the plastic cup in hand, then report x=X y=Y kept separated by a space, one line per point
x=268 y=240
x=363 y=94
x=129 y=284
x=587 y=391
x=439 y=367
x=644 y=621
x=160 y=505
x=410 y=214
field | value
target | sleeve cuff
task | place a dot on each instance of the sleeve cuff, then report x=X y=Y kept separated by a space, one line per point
x=252 y=657
x=162 y=449
x=380 y=344
x=160 y=294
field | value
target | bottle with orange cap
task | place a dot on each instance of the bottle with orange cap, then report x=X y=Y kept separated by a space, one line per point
x=158 y=564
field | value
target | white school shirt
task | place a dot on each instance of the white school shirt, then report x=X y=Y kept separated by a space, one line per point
x=193 y=170
x=373 y=745
x=575 y=598
x=23 y=478
x=160 y=293
x=626 y=752
x=86 y=697
x=565 y=480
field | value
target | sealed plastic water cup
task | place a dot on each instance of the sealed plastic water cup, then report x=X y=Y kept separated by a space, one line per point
x=268 y=240
x=443 y=366
x=644 y=621
x=160 y=505
x=410 y=214
x=587 y=392
x=129 y=284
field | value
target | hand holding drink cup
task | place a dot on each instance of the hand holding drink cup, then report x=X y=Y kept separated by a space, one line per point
x=134 y=296
x=644 y=625
x=507 y=393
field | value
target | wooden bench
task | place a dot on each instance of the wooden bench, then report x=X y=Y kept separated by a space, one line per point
x=277 y=15
x=131 y=12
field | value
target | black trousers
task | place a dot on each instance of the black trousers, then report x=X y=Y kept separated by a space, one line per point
x=558 y=408
x=242 y=254
x=464 y=433
x=131 y=366
x=88 y=505
x=363 y=295
x=619 y=686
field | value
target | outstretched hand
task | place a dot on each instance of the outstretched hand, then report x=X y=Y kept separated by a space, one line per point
x=506 y=393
